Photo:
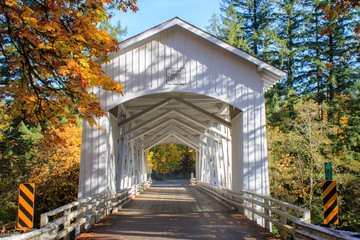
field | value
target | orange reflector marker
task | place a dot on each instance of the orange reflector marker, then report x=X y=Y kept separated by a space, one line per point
x=26 y=205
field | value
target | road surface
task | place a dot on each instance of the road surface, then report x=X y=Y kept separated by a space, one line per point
x=176 y=211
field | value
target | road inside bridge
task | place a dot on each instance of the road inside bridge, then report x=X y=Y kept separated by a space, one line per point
x=176 y=211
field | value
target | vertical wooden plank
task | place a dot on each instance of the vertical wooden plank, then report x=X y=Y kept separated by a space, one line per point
x=200 y=66
x=210 y=63
x=258 y=161
x=196 y=62
x=95 y=175
x=205 y=75
x=155 y=62
x=135 y=68
x=114 y=73
x=264 y=157
x=142 y=81
x=148 y=67
x=84 y=146
x=122 y=73
x=174 y=47
x=251 y=138
x=115 y=76
x=129 y=72
x=163 y=61
x=104 y=147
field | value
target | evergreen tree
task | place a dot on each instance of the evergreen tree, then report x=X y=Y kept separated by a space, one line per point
x=287 y=55
x=115 y=30
x=254 y=18
x=289 y=42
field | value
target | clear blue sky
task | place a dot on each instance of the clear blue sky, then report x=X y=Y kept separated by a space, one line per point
x=154 y=12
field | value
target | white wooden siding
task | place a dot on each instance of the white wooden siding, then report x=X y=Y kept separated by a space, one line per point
x=210 y=70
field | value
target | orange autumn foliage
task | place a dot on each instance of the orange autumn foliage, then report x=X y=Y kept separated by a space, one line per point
x=56 y=177
x=48 y=52
x=337 y=9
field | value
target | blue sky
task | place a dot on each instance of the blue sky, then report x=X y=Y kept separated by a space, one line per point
x=154 y=12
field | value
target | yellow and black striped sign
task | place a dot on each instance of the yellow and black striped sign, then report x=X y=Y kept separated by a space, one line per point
x=331 y=211
x=26 y=205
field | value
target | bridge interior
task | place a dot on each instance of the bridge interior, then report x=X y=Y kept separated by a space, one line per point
x=194 y=120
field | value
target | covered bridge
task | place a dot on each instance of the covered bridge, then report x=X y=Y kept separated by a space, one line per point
x=181 y=85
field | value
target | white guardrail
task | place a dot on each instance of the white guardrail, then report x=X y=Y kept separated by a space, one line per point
x=290 y=219
x=79 y=215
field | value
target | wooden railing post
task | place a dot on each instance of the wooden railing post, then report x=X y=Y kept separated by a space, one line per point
x=67 y=223
x=80 y=216
x=283 y=220
x=44 y=220
x=93 y=211
x=253 y=207
x=307 y=216
x=267 y=213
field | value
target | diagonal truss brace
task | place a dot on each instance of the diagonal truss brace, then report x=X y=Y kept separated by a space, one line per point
x=165 y=101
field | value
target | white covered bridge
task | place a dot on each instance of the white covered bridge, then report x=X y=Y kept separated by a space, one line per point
x=181 y=85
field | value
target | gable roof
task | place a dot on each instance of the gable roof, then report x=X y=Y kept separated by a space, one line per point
x=268 y=73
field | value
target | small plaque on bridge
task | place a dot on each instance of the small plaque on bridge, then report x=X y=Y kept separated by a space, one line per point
x=163 y=170
x=175 y=76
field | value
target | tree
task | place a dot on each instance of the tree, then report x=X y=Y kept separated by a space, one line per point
x=289 y=41
x=229 y=28
x=255 y=18
x=340 y=8
x=115 y=31
x=297 y=153
x=48 y=58
x=173 y=157
x=26 y=156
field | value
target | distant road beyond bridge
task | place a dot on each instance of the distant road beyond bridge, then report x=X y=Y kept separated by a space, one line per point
x=176 y=211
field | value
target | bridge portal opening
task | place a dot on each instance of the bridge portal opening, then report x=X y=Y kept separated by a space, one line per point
x=171 y=162
x=187 y=123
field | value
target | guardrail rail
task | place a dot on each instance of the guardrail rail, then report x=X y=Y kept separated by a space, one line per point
x=79 y=215
x=281 y=214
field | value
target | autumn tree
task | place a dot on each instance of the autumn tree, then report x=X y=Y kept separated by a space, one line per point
x=26 y=156
x=176 y=158
x=50 y=54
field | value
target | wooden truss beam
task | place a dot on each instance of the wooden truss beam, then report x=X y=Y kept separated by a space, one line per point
x=165 y=101
x=142 y=113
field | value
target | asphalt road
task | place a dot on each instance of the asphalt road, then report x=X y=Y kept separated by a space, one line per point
x=173 y=210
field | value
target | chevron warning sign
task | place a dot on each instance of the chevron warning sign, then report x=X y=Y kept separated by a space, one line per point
x=26 y=205
x=331 y=211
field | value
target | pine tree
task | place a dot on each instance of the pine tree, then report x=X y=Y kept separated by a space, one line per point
x=252 y=25
x=290 y=40
x=287 y=55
